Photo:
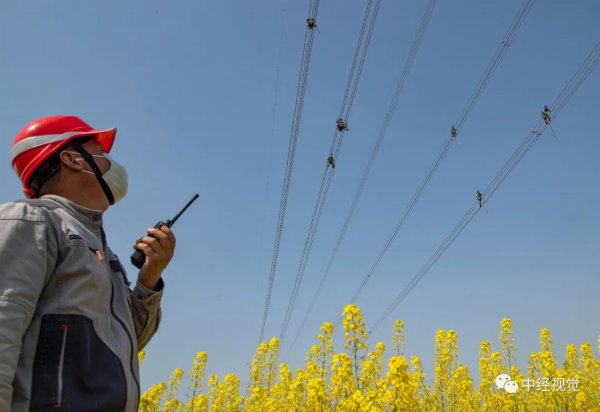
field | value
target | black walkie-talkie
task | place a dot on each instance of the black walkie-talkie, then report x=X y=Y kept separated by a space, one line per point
x=138 y=257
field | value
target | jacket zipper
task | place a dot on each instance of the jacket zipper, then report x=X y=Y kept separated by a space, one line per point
x=112 y=311
x=131 y=345
x=61 y=364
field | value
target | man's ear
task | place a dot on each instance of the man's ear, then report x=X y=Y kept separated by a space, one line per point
x=71 y=159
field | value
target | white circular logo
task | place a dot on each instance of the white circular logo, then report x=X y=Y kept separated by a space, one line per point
x=511 y=387
x=503 y=381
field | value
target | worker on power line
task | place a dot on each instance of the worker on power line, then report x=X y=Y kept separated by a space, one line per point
x=546 y=114
x=70 y=326
x=453 y=131
x=330 y=161
x=341 y=125
x=479 y=198
x=311 y=23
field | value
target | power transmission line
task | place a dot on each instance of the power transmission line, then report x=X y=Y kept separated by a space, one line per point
x=351 y=86
x=300 y=93
x=559 y=103
x=462 y=118
x=382 y=132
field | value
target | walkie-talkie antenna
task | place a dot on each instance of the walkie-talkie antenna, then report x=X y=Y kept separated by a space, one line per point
x=138 y=257
x=184 y=209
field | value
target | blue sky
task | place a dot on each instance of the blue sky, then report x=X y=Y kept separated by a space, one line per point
x=202 y=94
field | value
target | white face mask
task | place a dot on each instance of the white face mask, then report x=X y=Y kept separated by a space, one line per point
x=115 y=177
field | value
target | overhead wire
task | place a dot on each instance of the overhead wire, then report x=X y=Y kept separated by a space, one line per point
x=345 y=111
x=356 y=56
x=273 y=117
x=295 y=131
x=462 y=118
x=558 y=104
x=362 y=47
x=493 y=65
x=374 y=152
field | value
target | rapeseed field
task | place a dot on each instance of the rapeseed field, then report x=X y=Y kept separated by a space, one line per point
x=359 y=379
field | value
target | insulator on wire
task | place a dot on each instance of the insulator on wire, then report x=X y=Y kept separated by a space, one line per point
x=341 y=124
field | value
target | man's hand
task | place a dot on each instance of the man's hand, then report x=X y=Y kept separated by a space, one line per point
x=158 y=247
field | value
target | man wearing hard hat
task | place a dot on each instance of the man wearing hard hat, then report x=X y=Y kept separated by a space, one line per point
x=70 y=325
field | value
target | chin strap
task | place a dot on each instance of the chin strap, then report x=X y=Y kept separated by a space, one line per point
x=90 y=160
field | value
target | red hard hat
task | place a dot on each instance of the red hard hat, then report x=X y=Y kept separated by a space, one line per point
x=40 y=139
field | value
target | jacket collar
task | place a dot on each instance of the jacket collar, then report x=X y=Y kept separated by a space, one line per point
x=89 y=217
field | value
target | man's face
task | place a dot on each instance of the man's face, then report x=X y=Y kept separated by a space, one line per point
x=94 y=148
x=77 y=178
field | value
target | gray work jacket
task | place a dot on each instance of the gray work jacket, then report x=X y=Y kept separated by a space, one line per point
x=70 y=326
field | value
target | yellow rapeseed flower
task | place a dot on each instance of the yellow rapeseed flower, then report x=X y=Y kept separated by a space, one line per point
x=196 y=376
x=400 y=393
x=508 y=342
x=150 y=401
x=358 y=380
x=172 y=388
x=398 y=337
x=342 y=380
